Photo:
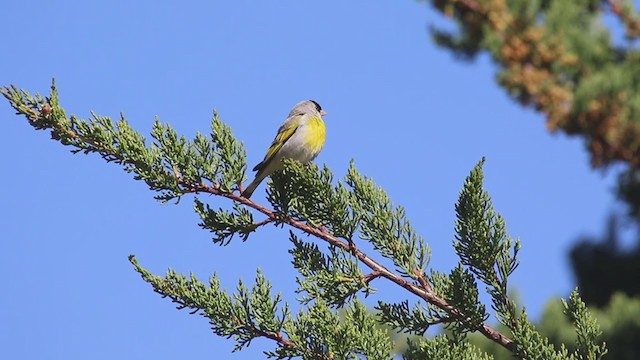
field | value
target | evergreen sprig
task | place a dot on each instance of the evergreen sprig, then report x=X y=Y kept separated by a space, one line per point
x=225 y=224
x=587 y=328
x=462 y=293
x=171 y=165
x=334 y=278
x=386 y=226
x=243 y=316
x=351 y=334
x=617 y=324
x=247 y=314
x=443 y=348
x=411 y=320
x=483 y=245
x=304 y=192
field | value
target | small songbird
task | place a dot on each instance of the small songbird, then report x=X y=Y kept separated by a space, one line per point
x=300 y=137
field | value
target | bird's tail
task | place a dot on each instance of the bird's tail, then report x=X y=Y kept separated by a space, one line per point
x=252 y=187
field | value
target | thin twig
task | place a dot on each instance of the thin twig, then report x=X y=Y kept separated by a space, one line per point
x=277 y=337
x=371 y=276
x=263 y=222
x=423 y=282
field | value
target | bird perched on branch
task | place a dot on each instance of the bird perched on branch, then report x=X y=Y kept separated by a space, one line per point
x=300 y=137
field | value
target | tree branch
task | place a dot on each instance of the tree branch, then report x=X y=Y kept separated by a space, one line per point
x=263 y=222
x=377 y=268
x=631 y=23
x=277 y=337
x=370 y=277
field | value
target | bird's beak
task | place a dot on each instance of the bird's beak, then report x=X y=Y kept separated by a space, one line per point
x=323 y=113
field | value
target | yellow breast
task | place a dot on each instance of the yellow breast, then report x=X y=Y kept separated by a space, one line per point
x=315 y=135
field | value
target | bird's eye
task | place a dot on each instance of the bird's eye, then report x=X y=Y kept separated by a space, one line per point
x=318 y=108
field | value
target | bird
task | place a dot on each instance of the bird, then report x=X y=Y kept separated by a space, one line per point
x=300 y=137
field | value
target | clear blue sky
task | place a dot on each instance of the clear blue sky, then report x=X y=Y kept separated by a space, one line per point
x=412 y=116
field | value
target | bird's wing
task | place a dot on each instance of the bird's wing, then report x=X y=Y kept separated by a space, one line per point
x=285 y=132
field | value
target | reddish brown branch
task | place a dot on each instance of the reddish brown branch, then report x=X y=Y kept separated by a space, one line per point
x=263 y=222
x=423 y=282
x=277 y=337
x=371 y=276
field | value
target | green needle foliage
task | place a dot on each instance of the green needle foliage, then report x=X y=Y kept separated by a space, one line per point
x=225 y=224
x=483 y=245
x=337 y=217
x=334 y=278
x=443 y=348
x=243 y=316
x=588 y=329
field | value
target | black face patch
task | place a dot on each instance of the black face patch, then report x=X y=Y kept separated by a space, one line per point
x=318 y=108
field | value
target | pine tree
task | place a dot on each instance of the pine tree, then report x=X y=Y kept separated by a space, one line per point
x=328 y=221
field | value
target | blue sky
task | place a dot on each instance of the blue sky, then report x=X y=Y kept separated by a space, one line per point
x=414 y=118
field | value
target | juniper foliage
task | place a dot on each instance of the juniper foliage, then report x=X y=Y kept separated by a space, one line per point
x=334 y=272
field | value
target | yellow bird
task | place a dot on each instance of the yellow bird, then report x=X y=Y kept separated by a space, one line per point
x=300 y=137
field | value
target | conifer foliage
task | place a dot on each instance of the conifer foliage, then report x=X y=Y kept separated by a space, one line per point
x=558 y=58
x=335 y=274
